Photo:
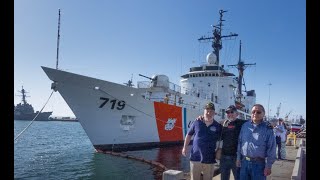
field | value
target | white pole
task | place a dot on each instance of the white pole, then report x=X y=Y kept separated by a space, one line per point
x=269 y=101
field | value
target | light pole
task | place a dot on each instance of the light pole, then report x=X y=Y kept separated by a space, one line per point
x=269 y=101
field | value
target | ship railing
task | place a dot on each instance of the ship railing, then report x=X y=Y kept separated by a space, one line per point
x=174 y=87
x=191 y=106
x=147 y=84
x=144 y=84
x=244 y=115
x=157 y=99
x=176 y=102
x=199 y=93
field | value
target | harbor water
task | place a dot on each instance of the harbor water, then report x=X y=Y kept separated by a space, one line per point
x=62 y=150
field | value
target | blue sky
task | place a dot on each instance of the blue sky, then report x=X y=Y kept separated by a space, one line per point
x=116 y=39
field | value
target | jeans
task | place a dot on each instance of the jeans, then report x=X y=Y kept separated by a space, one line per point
x=228 y=163
x=278 y=143
x=283 y=150
x=252 y=170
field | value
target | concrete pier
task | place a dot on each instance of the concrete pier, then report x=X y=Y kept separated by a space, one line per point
x=172 y=175
x=293 y=167
x=281 y=169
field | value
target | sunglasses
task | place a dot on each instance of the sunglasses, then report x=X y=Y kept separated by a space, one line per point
x=256 y=112
x=229 y=112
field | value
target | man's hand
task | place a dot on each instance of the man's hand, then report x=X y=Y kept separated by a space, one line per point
x=200 y=118
x=267 y=171
x=238 y=163
x=184 y=150
x=226 y=123
x=269 y=125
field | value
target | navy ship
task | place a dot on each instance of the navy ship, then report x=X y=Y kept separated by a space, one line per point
x=25 y=111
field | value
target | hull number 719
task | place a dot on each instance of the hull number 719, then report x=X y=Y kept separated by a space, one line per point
x=120 y=104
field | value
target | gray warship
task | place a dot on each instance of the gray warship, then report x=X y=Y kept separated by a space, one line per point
x=25 y=111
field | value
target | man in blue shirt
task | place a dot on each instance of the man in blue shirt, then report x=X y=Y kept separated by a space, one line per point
x=206 y=133
x=256 y=147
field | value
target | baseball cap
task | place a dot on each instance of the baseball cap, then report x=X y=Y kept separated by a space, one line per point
x=231 y=108
x=209 y=105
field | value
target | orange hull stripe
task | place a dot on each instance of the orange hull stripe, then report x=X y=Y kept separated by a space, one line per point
x=169 y=122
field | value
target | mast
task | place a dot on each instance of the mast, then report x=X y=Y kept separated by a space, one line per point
x=240 y=66
x=129 y=83
x=217 y=43
x=58 y=39
x=23 y=92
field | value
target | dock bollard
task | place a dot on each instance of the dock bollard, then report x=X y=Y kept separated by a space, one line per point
x=172 y=175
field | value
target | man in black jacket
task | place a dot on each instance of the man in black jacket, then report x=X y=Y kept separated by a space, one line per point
x=230 y=133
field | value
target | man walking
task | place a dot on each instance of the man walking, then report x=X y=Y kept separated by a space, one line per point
x=280 y=133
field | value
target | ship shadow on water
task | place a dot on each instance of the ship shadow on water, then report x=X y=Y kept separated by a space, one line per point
x=170 y=157
x=138 y=164
x=111 y=167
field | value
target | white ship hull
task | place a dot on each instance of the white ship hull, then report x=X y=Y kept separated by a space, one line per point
x=127 y=120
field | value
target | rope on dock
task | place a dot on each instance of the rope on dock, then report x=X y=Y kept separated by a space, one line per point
x=159 y=167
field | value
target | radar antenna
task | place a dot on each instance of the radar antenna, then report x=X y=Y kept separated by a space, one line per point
x=217 y=43
x=240 y=66
x=23 y=92
x=129 y=83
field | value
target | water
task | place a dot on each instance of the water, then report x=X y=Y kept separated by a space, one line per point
x=62 y=150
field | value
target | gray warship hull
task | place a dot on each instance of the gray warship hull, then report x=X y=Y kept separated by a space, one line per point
x=43 y=116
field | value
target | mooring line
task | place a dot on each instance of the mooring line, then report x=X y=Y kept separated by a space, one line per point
x=34 y=117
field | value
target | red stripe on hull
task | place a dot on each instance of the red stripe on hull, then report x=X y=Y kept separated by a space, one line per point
x=169 y=122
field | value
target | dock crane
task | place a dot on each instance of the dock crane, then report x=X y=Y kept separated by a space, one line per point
x=286 y=118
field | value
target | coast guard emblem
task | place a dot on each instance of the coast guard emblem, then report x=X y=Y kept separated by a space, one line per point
x=170 y=124
x=212 y=128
